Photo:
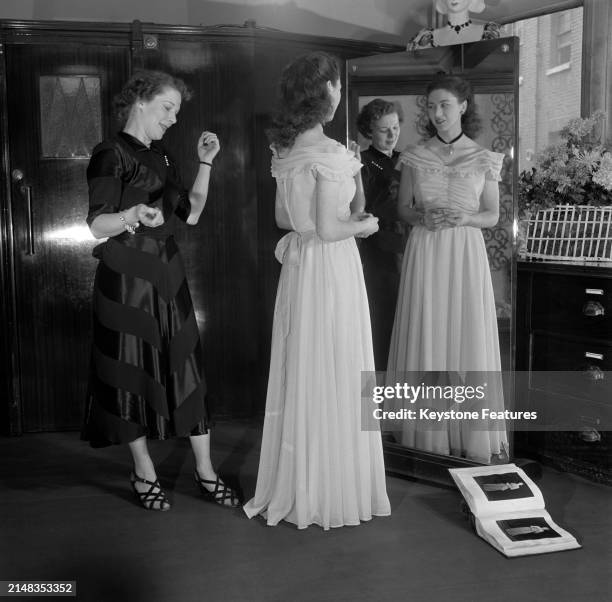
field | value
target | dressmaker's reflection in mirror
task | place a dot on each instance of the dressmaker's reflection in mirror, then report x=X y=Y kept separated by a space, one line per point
x=445 y=320
x=379 y=121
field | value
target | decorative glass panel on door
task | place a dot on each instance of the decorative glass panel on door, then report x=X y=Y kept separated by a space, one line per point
x=70 y=116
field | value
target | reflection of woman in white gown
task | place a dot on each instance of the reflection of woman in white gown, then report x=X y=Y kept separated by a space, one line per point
x=445 y=318
x=316 y=464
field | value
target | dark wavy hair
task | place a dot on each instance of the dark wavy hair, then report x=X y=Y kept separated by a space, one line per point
x=462 y=90
x=304 y=99
x=144 y=85
x=373 y=111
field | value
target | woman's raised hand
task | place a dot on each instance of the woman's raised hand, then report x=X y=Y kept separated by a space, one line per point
x=208 y=146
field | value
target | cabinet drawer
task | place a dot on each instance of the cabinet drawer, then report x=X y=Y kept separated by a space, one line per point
x=581 y=305
x=578 y=367
x=567 y=413
x=571 y=451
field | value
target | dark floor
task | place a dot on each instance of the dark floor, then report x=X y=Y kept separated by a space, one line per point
x=66 y=513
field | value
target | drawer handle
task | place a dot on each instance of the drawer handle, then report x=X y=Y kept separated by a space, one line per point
x=593 y=308
x=593 y=291
x=590 y=435
x=594 y=356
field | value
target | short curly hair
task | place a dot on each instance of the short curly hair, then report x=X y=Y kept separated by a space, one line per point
x=304 y=97
x=462 y=90
x=144 y=85
x=373 y=111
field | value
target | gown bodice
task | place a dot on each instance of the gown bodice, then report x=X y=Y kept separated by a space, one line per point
x=456 y=182
x=296 y=173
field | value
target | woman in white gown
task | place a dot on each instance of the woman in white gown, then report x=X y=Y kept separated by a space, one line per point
x=445 y=320
x=317 y=466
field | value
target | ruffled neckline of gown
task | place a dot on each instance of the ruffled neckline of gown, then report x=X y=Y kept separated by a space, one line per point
x=329 y=152
x=468 y=161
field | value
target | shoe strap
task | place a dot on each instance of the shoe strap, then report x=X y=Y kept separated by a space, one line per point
x=135 y=478
x=221 y=492
x=154 y=494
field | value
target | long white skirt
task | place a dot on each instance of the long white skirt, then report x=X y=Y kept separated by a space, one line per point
x=316 y=464
x=445 y=320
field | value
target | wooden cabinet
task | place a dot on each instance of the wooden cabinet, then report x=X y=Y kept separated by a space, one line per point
x=564 y=365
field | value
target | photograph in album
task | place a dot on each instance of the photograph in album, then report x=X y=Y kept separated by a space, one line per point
x=507 y=510
x=506 y=486
x=527 y=528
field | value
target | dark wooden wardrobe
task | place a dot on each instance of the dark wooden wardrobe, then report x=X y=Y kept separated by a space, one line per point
x=56 y=85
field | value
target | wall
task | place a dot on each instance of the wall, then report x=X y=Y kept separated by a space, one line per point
x=390 y=21
x=547 y=99
x=393 y=21
x=597 y=63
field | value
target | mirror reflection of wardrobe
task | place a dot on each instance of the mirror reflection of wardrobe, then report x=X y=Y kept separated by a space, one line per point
x=491 y=67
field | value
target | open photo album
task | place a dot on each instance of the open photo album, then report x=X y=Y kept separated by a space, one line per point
x=509 y=510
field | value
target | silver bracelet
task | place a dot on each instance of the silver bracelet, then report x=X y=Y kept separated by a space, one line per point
x=131 y=228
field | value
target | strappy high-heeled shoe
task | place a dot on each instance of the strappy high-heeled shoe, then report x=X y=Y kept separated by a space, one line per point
x=220 y=493
x=153 y=498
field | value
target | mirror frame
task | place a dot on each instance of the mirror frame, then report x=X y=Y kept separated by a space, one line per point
x=395 y=79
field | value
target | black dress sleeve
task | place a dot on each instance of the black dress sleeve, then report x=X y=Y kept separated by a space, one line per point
x=183 y=206
x=104 y=181
x=369 y=184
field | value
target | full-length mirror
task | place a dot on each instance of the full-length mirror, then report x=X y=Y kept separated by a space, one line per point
x=440 y=271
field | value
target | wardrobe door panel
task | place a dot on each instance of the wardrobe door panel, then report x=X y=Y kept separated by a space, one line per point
x=221 y=251
x=58 y=109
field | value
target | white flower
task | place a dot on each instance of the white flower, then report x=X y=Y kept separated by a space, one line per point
x=603 y=175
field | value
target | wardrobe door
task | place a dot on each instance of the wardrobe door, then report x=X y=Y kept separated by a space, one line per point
x=59 y=96
x=220 y=252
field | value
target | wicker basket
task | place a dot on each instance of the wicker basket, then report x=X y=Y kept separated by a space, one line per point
x=570 y=233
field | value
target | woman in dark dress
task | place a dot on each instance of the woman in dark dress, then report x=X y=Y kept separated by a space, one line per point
x=146 y=379
x=379 y=121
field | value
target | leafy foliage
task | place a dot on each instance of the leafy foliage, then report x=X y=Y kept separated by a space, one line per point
x=576 y=171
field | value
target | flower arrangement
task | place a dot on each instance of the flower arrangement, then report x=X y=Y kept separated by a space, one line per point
x=575 y=171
